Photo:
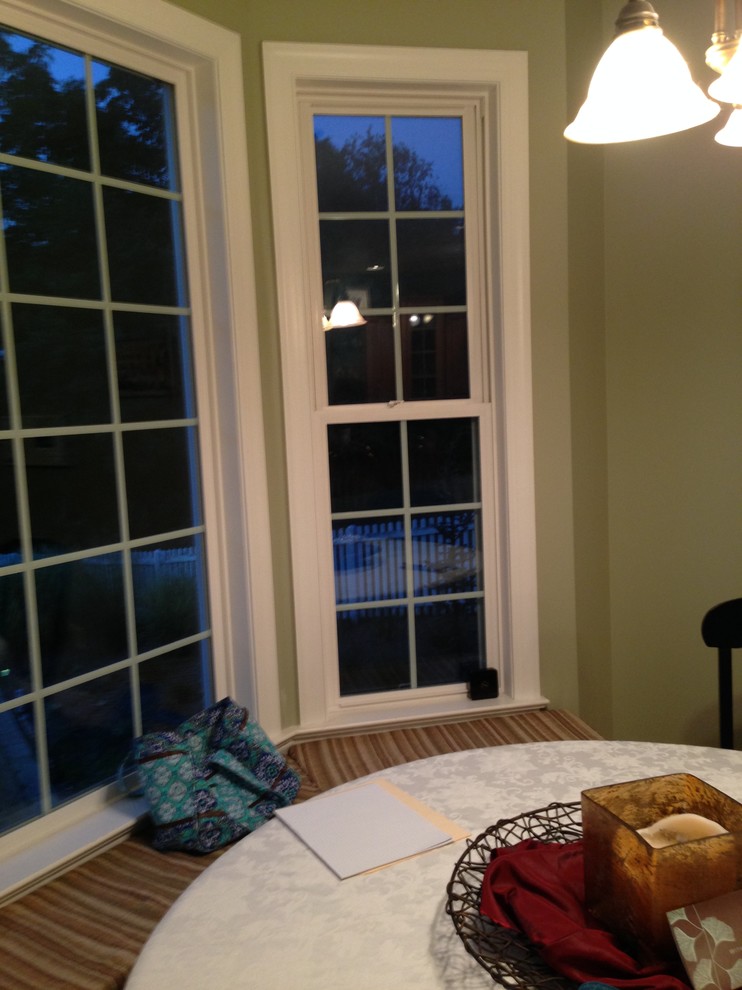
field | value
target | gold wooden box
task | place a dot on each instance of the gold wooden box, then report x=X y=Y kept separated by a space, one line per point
x=629 y=884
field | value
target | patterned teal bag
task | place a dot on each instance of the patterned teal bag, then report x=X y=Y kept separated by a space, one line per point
x=211 y=780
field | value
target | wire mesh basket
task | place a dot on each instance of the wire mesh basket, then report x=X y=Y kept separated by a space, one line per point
x=507 y=955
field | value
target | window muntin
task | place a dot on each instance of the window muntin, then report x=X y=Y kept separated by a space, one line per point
x=104 y=628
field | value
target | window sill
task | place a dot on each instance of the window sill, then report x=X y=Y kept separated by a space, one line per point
x=386 y=715
x=25 y=869
x=50 y=857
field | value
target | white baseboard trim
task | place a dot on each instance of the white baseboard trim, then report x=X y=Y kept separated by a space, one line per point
x=408 y=718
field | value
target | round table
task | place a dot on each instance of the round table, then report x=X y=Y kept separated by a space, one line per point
x=269 y=914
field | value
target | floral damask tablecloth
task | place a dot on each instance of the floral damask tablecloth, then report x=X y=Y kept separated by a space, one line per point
x=268 y=914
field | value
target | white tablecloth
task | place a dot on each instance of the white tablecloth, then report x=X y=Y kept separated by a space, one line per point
x=268 y=914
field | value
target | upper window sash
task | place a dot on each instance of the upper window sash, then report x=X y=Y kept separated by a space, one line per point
x=473 y=111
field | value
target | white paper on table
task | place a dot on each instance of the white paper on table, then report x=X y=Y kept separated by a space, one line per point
x=366 y=827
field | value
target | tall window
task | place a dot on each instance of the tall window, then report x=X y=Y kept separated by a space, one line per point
x=405 y=492
x=399 y=182
x=104 y=627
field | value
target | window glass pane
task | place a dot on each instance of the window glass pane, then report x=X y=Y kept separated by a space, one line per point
x=428 y=165
x=42 y=102
x=4 y=410
x=174 y=686
x=81 y=616
x=360 y=362
x=169 y=592
x=19 y=784
x=372 y=650
x=133 y=117
x=89 y=733
x=365 y=466
x=143 y=239
x=152 y=353
x=443 y=454
x=351 y=163
x=435 y=356
x=432 y=268
x=445 y=553
x=450 y=641
x=71 y=492
x=355 y=262
x=15 y=676
x=9 y=533
x=160 y=469
x=49 y=231
x=369 y=559
x=62 y=368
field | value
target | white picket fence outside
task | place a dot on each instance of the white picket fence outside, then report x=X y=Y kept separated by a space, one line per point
x=371 y=563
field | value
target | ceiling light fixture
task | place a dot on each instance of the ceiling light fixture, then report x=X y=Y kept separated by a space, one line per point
x=731 y=134
x=642 y=86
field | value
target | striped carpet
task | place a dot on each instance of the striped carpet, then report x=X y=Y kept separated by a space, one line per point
x=337 y=759
x=84 y=930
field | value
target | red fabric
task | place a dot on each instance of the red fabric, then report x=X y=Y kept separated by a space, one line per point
x=538 y=888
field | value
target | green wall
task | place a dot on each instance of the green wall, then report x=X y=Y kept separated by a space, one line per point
x=673 y=252
x=656 y=407
x=585 y=177
x=635 y=266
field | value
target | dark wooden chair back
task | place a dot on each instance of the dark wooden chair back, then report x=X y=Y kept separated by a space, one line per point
x=722 y=629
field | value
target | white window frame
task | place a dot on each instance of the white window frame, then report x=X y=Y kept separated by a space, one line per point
x=499 y=80
x=203 y=62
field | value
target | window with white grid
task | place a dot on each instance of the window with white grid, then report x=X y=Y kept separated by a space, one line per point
x=399 y=181
x=104 y=617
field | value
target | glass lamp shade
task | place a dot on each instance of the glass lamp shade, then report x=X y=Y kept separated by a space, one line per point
x=728 y=87
x=731 y=134
x=345 y=314
x=641 y=88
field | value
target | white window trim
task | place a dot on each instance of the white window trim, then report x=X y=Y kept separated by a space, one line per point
x=206 y=59
x=290 y=69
